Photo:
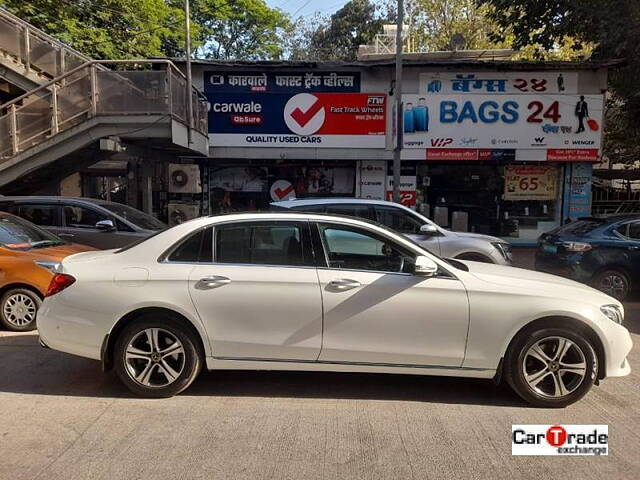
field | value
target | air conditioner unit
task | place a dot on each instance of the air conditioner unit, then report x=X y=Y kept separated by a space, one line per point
x=184 y=178
x=181 y=212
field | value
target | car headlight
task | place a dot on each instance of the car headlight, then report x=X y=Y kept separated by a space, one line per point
x=613 y=312
x=577 y=246
x=504 y=249
x=52 y=266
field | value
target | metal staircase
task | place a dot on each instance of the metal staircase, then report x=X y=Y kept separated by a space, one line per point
x=77 y=101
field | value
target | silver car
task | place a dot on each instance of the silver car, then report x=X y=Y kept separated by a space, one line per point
x=448 y=244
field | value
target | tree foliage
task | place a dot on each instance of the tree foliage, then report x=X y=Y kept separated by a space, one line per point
x=240 y=29
x=610 y=27
x=105 y=29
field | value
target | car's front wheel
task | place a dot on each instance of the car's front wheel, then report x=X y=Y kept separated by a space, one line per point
x=551 y=367
x=612 y=282
x=18 y=308
x=157 y=357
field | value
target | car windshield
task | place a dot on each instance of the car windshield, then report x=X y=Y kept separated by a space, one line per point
x=138 y=218
x=18 y=234
x=581 y=226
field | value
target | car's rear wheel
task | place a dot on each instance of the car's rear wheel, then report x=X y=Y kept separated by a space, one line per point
x=18 y=308
x=613 y=282
x=157 y=357
x=551 y=367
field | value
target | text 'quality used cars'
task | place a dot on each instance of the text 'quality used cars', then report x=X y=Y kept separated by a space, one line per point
x=296 y=291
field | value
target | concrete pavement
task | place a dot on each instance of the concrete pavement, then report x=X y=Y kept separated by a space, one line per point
x=60 y=418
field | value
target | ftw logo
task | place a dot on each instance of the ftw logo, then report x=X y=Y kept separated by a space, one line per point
x=441 y=142
x=377 y=100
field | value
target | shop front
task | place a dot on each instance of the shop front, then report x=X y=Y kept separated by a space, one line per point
x=502 y=153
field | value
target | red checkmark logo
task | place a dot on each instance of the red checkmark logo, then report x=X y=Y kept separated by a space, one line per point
x=281 y=193
x=305 y=117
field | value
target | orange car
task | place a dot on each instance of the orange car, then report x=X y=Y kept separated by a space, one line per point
x=28 y=255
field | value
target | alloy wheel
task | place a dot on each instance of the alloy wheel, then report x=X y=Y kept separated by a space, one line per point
x=554 y=367
x=19 y=309
x=614 y=285
x=154 y=357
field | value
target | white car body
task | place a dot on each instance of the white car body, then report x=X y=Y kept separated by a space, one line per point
x=289 y=318
x=445 y=243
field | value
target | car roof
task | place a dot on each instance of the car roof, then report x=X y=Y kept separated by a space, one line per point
x=54 y=198
x=328 y=201
x=614 y=218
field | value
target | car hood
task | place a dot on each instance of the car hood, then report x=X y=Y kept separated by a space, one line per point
x=476 y=236
x=538 y=283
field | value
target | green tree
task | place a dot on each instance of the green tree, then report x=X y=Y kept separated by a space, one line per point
x=240 y=29
x=106 y=29
x=355 y=24
x=612 y=30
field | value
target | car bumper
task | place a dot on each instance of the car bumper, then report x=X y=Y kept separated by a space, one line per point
x=617 y=345
x=569 y=266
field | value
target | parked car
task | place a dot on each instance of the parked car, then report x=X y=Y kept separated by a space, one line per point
x=602 y=252
x=442 y=242
x=286 y=291
x=88 y=221
x=27 y=256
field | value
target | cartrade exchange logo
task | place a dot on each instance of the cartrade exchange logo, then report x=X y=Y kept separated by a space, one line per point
x=560 y=440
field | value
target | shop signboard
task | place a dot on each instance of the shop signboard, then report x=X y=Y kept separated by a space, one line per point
x=295 y=109
x=530 y=182
x=518 y=121
x=434 y=83
x=577 y=190
x=372 y=177
x=408 y=184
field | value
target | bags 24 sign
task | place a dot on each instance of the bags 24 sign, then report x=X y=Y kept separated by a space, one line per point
x=300 y=109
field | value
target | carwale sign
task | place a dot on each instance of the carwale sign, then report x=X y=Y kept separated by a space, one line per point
x=294 y=109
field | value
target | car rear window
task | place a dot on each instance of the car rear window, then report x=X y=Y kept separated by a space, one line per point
x=581 y=226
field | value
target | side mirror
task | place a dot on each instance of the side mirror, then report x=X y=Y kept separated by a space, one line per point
x=105 y=225
x=425 y=267
x=428 y=229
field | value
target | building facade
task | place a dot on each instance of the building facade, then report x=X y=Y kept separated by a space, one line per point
x=503 y=148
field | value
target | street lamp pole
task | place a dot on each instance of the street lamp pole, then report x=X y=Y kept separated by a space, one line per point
x=187 y=28
x=397 y=93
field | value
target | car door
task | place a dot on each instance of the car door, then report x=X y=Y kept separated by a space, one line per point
x=79 y=226
x=375 y=312
x=260 y=299
x=631 y=234
x=401 y=221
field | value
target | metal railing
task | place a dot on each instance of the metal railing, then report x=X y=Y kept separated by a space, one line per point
x=36 y=50
x=89 y=91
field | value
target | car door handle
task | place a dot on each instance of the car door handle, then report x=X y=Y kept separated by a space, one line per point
x=212 y=281
x=344 y=284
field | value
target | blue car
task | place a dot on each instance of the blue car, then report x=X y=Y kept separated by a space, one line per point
x=602 y=252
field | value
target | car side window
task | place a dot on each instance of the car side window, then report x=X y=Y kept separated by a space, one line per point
x=397 y=219
x=351 y=248
x=634 y=231
x=42 y=215
x=275 y=243
x=197 y=248
x=359 y=211
x=81 y=217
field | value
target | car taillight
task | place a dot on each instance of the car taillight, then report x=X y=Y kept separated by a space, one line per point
x=59 y=282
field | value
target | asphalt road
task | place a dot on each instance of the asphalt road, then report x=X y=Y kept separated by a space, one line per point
x=60 y=418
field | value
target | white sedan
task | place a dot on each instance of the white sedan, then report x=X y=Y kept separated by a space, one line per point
x=302 y=291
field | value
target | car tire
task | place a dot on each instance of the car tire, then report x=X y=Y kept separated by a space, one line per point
x=157 y=357
x=613 y=282
x=534 y=366
x=18 y=309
